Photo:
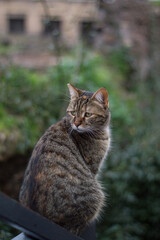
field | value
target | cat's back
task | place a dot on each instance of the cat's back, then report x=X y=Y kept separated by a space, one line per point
x=57 y=146
x=55 y=160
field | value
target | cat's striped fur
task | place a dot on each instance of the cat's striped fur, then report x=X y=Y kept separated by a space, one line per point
x=60 y=180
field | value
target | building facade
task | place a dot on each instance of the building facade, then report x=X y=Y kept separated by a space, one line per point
x=69 y=20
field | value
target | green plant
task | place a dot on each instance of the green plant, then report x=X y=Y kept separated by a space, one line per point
x=7 y=232
x=30 y=102
x=121 y=60
x=131 y=175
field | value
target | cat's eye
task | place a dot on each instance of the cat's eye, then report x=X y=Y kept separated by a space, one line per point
x=87 y=114
x=73 y=113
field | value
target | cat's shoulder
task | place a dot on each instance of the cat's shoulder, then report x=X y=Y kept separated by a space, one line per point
x=55 y=129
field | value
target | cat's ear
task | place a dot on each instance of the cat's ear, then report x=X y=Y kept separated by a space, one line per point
x=74 y=92
x=101 y=96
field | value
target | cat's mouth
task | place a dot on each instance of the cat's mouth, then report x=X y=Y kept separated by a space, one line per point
x=79 y=129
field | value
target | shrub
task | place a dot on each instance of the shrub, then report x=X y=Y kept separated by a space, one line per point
x=131 y=175
x=30 y=102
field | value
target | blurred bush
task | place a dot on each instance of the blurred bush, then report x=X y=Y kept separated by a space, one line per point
x=132 y=172
x=6 y=232
x=27 y=104
x=30 y=102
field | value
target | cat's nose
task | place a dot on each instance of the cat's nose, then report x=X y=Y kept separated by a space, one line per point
x=77 y=122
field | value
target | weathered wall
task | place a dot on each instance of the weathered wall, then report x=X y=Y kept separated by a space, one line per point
x=71 y=13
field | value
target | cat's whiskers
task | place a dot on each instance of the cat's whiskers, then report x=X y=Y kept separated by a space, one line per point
x=70 y=130
x=95 y=132
x=63 y=99
x=92 y=134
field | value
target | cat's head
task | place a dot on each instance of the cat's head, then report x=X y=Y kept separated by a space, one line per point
x=87 y=111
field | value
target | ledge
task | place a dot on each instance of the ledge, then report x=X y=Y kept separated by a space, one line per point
x=35 y=225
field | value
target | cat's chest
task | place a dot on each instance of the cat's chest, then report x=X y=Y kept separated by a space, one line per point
x=99 y=148
x=95 y=153
x=95 y=150
x=101 y=145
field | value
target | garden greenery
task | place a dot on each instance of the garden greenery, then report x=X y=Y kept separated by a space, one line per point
x=30 y=102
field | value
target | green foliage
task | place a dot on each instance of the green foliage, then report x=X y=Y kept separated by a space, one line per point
x=6 y=232
x=30 y=102
x=5 y=49
x=27 y=101
x=121 y=60
x=155 y=2
x=7 y=122
x=131 y=175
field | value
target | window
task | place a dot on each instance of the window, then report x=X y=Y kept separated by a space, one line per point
x=52 y=27
x=16 y=25
x=88 y=31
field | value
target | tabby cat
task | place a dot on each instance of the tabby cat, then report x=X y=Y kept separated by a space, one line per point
x=60 y=181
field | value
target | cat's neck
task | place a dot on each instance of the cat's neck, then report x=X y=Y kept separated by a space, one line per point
x=93 y=148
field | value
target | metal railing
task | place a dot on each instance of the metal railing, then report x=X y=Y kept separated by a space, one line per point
x=34 y=226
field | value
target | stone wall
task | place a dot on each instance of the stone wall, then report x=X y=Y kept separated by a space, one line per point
x=70 y=13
